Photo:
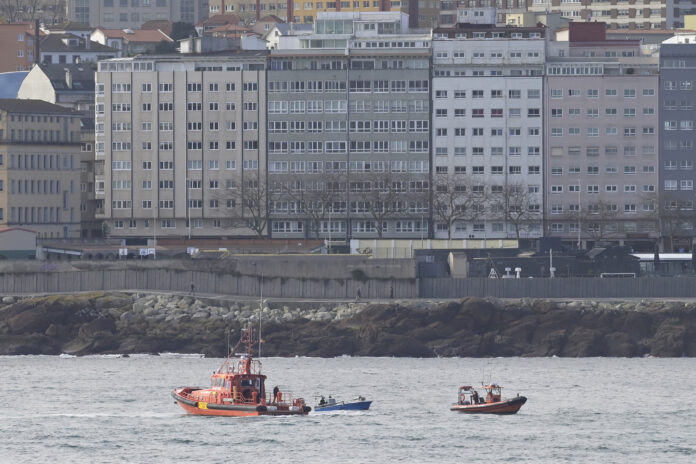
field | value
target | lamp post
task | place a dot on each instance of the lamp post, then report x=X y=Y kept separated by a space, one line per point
x=154 y=227
x=188 y=207
x=421 y=228
x=329 y=244
x=579 y=218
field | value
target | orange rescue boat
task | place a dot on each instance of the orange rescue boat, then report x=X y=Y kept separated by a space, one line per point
x=238 y=389
x=470 y=402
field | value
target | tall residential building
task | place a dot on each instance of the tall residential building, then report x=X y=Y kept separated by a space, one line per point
x=601 y=140
x=130 y=14
x=631 y=14
x=17 y=51
x=302 y=12
x=480 y=12
x=677 y=80
x=349 y=130
x=180 y=145
x=40 y=168
x=71 y=86
x=488 y=119
x=680 y=13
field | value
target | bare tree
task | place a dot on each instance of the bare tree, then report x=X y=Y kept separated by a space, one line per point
x=249 y=205
x=31 y=9
x=675 y=217
x=518 y=206
x=54 y=11
x=315 y=199
x=12 y=10
x=454 y=200
x=596 y=221
x=382 y=196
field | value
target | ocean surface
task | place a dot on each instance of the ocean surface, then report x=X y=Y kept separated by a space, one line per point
x=111 y=410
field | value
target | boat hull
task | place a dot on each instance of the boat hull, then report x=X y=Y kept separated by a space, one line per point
x=510 y=406
x=201 y=408
x=357 y=406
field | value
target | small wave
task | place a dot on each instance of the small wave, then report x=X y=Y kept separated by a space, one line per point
x=67 y=356
x=181 y=355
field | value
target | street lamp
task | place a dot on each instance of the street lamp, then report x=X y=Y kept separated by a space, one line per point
x=579 y=218
x=188 y=207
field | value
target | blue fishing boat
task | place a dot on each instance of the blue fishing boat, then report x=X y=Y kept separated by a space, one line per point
x=359 y=403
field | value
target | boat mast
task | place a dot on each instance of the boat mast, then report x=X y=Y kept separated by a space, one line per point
x=260 y=312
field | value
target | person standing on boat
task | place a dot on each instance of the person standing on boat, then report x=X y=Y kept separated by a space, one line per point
x=474 y=397
x=276 y=394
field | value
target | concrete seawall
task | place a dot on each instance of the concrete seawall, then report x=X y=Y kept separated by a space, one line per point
x=372 y=282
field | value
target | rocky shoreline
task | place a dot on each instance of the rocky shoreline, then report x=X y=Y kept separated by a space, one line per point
x=124 y=323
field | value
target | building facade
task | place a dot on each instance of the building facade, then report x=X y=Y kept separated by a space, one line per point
x=180 y=145
x=487 y=131
x=40 y=168
x=17 y=52
x=677 y=79
x=302 y=12
x=631 y=14
x=71 y=86
x=130 y=14
x=348 y=130
x=602 y=142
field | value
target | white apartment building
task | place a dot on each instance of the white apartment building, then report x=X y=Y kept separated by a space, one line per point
x=180 y=140
x=487 y=127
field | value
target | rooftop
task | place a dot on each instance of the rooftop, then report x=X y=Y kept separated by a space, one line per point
x=15 y=105
x=54 y=43
x=70 y=26
x=82 y=76
x=137 y=35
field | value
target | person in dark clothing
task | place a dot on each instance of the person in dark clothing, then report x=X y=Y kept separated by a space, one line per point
x=276 y=394
x=391 y=291
x=357 y=295
x=193 y=289
x=475 y=397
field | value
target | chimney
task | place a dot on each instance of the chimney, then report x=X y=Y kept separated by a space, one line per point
x=37 y=37
x=291 y=13
x=68 y=78
x=258 y=10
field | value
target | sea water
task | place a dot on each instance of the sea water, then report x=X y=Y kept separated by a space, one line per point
x=102 y=409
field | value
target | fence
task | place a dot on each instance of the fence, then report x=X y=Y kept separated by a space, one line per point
x=276 y=287
x=204 y=282
x=649 y=287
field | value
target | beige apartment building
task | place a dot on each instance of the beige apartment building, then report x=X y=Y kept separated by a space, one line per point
x=617 y=14
x=305 y=12
x=180 y=145
x=40 y=168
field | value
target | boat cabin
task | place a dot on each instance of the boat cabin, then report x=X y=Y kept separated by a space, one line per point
x=469 y=395
x=493 y=393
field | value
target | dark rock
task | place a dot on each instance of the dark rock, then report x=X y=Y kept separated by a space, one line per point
x=96 y=327
x=669 y=339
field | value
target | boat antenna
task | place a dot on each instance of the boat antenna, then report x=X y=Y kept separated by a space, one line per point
x=260 y=312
